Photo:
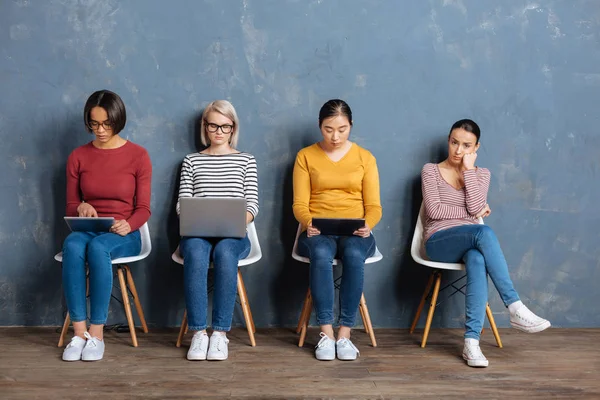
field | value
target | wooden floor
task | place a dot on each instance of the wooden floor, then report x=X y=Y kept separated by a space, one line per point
x=558 y=363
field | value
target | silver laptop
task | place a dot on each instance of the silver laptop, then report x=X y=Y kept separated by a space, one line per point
x=90 y=224
x=212 y=217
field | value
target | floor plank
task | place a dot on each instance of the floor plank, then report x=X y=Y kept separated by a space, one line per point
x=557 y=364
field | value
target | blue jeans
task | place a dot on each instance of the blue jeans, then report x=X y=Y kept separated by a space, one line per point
x=477 y=246
x=352 y=251
x=225 y=254
x=97 y=250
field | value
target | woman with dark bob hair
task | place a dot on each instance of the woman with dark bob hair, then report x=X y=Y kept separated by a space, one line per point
x=336 y=178
x=455 y=197
x=108 y=177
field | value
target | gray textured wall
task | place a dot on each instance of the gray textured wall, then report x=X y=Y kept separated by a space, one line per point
x=527 y=71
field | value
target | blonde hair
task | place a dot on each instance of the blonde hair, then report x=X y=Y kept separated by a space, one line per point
x=226 y=109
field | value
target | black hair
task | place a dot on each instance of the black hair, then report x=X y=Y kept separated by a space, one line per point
x=112 y=104
x=334 y=108
x=468 y=125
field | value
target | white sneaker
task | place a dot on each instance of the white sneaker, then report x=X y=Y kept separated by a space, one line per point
x=524 y=320
x=472 y=354
x=73 y=350
x=325 y=349
x=93 y=350
x=346 y=350
x=217 y=348
x=198 y=347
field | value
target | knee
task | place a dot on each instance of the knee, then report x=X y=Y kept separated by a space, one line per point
x=321 y=251
x=97 y=249
x=486 y=233
x=353 y=252
x=473 y=258
x=74 y=243
x=223 y=255
x=194 y=249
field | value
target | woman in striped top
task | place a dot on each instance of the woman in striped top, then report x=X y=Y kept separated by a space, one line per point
x=217 y=171
x=455 y=196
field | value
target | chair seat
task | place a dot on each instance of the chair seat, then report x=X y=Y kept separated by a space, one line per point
x=254 y=256
x=145 y=252
x=377 y=256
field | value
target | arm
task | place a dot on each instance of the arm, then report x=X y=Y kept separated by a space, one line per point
x=371 y=196
x=251 y=190
x=302 y=190
x=477 y=183
x=434 y=208
x=143 y=190
x=186 y=182
x=73 y=192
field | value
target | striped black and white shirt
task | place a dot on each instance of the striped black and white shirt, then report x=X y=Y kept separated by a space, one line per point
x=228 y=175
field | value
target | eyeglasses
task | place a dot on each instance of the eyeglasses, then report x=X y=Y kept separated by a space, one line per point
x=107 y=125
x=212 y=128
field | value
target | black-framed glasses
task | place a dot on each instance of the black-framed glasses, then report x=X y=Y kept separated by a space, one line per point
x=107 y=125
x=212 y=128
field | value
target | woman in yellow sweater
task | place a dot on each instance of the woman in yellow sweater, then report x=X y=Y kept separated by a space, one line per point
x=336 y=178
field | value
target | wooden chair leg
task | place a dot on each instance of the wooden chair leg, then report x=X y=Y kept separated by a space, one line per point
x=306 y=319
x=249 y=309
x=127 y=306
x=363 y=305
x=136 y=300
x=245 y=307
x=422 y=303
x=303 y=312
x=434 y=296
x=364 y=319
x=490 y=316
x=182 y=330
x=65 y=329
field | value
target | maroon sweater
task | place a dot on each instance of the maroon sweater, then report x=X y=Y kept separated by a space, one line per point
x=116 y=182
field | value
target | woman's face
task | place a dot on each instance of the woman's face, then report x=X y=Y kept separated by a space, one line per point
x=461 y=142
x=100 y=124
x=335 y=131
x=218 y=128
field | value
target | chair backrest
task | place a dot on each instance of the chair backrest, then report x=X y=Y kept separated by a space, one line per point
x=417 y=248
x=255 y=250
x=377 y=256
x=146 y=242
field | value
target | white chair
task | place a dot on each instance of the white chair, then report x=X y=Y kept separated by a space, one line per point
x=254 y=256
x=126 y=285
x=417 y=252
x=307 y=306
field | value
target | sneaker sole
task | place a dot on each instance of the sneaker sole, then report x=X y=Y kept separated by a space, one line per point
x=476 y=363
x=196 y=358
x=534 y=329
x=325 y=358
x=347 y=358
x=71 y=360
x=91 y=359
x=216 y=358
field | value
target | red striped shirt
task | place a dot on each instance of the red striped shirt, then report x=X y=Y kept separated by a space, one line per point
x=446 y=206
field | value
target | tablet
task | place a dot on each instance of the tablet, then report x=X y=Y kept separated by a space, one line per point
x=90 y=224
x=338 y=226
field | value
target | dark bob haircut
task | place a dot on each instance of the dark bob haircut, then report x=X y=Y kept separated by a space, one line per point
x=468 y=125
x=112 y=104
x=333 y=108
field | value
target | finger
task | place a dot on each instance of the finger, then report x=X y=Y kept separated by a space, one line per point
x=94 y=213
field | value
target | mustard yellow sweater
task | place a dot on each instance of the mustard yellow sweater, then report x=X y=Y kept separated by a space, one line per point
x=348 y=188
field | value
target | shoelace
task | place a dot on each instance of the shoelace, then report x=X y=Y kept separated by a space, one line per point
x=72 y=342
x=474 y=352
x=197 y=345
x=323 y=342
x=220 y=340
x=345 y=342
x=91 y=340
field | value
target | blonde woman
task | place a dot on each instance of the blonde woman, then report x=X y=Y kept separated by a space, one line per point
x=220 y=170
